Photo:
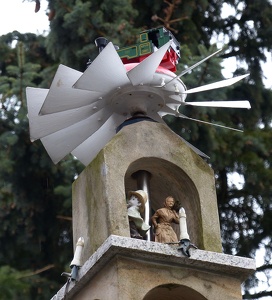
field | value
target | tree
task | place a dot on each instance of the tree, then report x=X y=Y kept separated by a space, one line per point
x=76 y=25
x=35 y=195
x=245 y=210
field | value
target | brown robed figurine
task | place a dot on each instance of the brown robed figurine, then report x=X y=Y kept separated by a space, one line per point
x=162 y=219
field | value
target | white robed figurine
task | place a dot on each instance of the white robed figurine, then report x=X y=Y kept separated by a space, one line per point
x=136 y=208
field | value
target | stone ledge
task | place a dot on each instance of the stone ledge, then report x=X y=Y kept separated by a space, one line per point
x=151 y=252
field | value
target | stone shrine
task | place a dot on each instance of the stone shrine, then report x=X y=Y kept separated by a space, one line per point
x=149 y=156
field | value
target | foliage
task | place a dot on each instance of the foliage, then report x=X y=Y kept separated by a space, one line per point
x=35 y=196
x=24 y=285
x=11 y=285
x=35 y=201
x=76 y=24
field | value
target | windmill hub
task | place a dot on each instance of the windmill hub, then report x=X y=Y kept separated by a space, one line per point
x=133 y=99
x=80 y=116
x=148 y=98
x=163 y=78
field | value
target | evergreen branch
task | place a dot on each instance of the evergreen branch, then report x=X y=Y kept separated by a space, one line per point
x=257 y=295
x=66 y=7
x=203 y=73
x=64 y=218
x=3 y=106
x=169 y=11
x=264 y=267
x=37 y=6
x=21 y=58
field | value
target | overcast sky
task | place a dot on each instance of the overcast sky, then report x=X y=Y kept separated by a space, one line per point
x=19 y=15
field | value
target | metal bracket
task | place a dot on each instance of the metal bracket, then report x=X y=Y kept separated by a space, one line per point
x=185 y=245
x=73 y=274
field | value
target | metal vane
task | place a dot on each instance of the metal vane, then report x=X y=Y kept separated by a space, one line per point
x=80 y=112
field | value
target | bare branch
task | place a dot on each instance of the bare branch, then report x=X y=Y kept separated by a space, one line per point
x=169 y=11
x=264 y=267
x=37 y=271
x=64 y=218
x=257 y=295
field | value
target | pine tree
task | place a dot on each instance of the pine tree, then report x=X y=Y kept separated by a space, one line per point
x=245 y=209
x=35 y=206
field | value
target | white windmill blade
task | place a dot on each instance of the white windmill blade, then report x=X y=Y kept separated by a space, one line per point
x=143 y=72
x=230 y=104
x=87 y=150
x=105 y=74
x=62 y=96
x=62 y=142
x=208 y=123
x=158 y=118
x=194 y=66
x=196 y=150
x=216 y=85
x=43 y=125
x=34 y=98
x=171 y=109
x=167 y=110
x=171 y=97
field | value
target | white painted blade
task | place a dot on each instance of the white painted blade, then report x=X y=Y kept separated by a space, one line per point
x=158 y=118
x=171 y=97
x=208 y=123
x=216 y=85
x=64 y=141
x=196 y=150
x=173 y=106
x=143 y=73
x=194 y=66
x=105 y=74
x=43 y=125
x=87 y=150
x=230 y=104
x=168 y=111
x=62 y=96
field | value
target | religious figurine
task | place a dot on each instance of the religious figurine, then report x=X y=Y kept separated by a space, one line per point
x=136 y=208
x=162 y=219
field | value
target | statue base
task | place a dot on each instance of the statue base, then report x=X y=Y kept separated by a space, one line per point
x=123 y=268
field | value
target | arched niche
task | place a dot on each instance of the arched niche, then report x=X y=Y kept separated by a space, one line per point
x=167 y=179
x=173 y=292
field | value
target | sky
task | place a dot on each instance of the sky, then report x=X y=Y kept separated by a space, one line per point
x=20 y=16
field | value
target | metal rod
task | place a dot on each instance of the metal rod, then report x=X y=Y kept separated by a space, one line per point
x=143 y=183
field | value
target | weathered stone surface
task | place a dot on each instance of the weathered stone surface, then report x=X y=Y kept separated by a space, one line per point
x=99 y=193
x=129 y=269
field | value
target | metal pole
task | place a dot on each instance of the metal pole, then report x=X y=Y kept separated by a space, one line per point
x=143 y=183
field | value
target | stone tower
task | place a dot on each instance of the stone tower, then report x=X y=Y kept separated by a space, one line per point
x=118 y=267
